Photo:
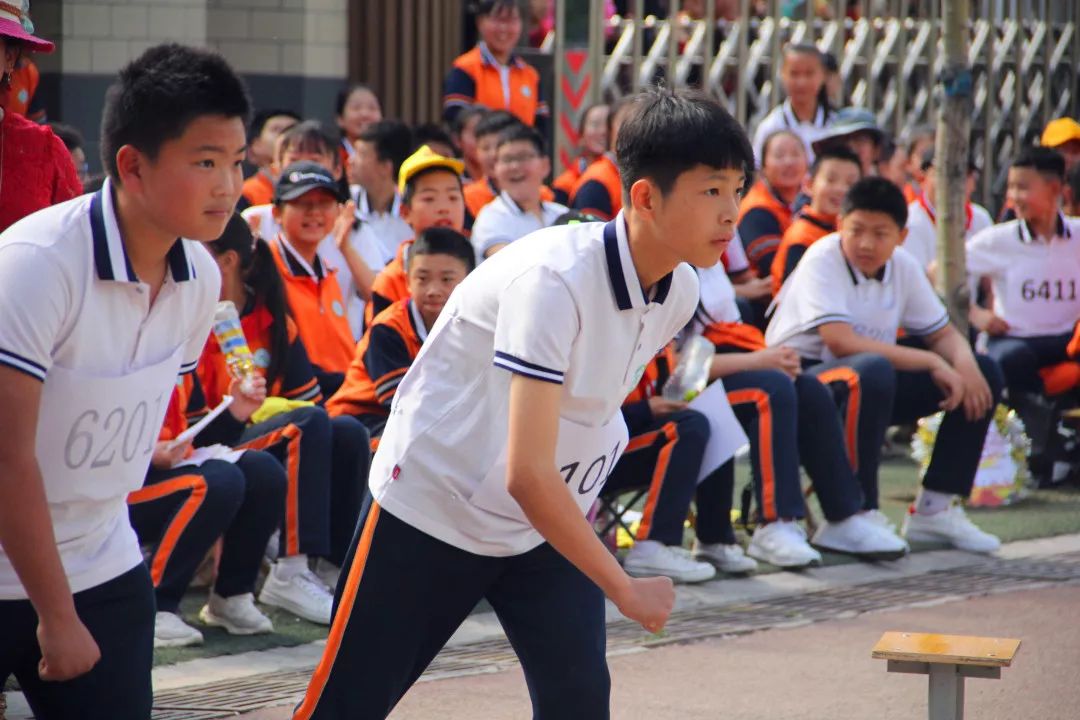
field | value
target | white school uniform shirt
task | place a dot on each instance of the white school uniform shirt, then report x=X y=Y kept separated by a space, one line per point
x=737 y=261
x=921 y=240
x=782 y=117
x=380 y=233
x=716 y=303
x=562 y=305
x=503 y=221
x=1034 y=279
x=825 y=288
x=74 y=315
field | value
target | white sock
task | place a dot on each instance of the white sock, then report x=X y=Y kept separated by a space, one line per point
x=287 y=568
x=931 y=502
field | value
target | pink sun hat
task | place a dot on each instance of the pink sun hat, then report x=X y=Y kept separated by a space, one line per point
x=15 y=23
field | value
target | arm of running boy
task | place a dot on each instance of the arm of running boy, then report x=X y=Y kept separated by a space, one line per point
x=26 y=534
x=535 y=483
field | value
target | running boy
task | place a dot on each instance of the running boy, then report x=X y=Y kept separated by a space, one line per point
x=101 y=306
x=843 y=306
x=527 y=368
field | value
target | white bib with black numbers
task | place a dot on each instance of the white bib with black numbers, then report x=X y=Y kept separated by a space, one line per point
x=1042 y=296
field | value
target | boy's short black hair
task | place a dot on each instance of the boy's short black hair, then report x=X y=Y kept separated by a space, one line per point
x=444 y=241
x=1045 y=161
x=346 y=92
x=830 y=62
x=522 y=133
x=876 y=194
x=308 y=136
x=392 y=140
x=157 y=95
x=261 y=117
x=487 y=7
x=410 y=185
x=427 y=133
x=838 y=152
x=494 y=123
x=68 y=135
x=666 y=133
x=808 y=49
x=467 y=113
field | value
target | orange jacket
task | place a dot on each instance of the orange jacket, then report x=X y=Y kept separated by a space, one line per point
x=567 y=180
x=383 y=356
x=763 y=219
x=807 y=228
x=474 y=79
x=599 y=189
x=390 y=285
x=318 y=308
x=727 y=336
x=258 y=189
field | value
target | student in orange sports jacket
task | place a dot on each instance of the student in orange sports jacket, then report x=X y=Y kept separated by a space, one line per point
x=439 y=260
x=593 y=142
x=327 y=460
x=765 y=212
x=599 y=189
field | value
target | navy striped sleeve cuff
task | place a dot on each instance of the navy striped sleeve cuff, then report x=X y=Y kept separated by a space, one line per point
x=188 y=368
x=522 y=367
x=22 y=364
x=930 y=329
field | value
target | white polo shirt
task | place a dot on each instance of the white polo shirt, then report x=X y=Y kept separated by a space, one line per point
x=825 y=288
x=503 y=221
x=717 y=299
x=1034 y=279
x=562 y=305
x=380 y=233
x=74 y=315
x=737 y=261
x=782 y=117
x=921 y=240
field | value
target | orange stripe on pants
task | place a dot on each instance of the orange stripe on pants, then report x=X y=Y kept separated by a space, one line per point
x=670 y=433
x=760 y=399
x=197 y=485
x=851 y=420
x=341 y=619
x=292 y=435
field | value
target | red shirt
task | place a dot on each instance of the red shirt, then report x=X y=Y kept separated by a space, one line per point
x=37 y=170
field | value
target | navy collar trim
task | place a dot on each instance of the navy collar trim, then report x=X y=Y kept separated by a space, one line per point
x=619 y=262
x=111 y=260
x=1061 y=230
x=297 y=265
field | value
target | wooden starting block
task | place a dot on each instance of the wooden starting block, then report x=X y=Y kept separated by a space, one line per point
x=948 y=660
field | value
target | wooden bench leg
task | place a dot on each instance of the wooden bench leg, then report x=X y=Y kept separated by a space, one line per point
x=946 y=693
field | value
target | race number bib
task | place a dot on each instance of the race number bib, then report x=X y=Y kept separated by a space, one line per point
x=1043 y=295
x=96 y=435
x=584 y=455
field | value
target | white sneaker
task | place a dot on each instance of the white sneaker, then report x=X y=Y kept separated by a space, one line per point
x=726 y=558
x=170 y=630
x=304 y=595
x=783 y=544
x=949 y=526
x=237 y=614
x=860 y=536
x=328 y=573
x=649 y=557
x=879 y=518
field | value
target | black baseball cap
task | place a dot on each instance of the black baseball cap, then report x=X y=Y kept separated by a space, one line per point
x=301 y=178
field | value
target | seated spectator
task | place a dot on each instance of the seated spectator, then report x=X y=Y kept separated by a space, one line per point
x=380 y=150
x=435 y=137
x=806 y=111
x=599 y=189
x=463 y=132
x=307 y=206
x=483 y=190
x=357 y=107
x=491 y=74
x=1033 y=267
x=892 y=162
x=765 y=212
x=921 y=239
x=919 y=140
x=856 y=129
x=1063 y=135
x=521 y=165
x=182 y=510
x=790 y=419
x=843 y=307
x=438 y=261
x=592 y=141
x=266 y=127
x=664 y=453
x=327 y=458
x=73 y=141
x=431 y=196
x=833 y=173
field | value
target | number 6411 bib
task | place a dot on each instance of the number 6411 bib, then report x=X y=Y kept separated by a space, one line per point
x=584 y=455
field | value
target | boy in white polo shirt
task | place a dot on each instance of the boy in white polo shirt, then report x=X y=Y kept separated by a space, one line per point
x=843 y=306
x=520 y=168
x=507 y=424
x=101 y=305
x=1033 y=265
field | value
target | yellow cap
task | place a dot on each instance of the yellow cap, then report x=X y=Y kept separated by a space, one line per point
x=1060 y=131
x=424 y=159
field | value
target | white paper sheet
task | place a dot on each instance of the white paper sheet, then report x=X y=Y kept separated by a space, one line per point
x=210 y=452
x=726 y=434
x=189 y=434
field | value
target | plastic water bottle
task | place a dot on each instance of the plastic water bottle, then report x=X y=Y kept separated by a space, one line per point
x=691 y=374
x=233 y=344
